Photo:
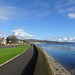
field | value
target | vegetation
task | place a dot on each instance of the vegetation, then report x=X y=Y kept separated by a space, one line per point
x=42 y=66
x=11 y=38
x=14 y=40
x=25 y=41
x=8 y=53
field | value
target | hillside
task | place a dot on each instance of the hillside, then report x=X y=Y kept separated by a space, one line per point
x=45 y=41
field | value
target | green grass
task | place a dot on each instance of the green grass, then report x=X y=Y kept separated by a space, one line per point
x=42 y=66
x=8 y=53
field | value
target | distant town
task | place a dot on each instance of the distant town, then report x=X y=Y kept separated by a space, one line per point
x=11 y=40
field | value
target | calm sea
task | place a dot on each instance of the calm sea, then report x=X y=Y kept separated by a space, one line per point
x=62 y=53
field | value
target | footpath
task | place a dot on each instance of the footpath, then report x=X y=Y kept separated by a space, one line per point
x=22 y=65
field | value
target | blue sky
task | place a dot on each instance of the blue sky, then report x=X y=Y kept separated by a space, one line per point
x=52 y=20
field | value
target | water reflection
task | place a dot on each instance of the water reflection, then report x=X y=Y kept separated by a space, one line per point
x=63 y=53
x=58 y=47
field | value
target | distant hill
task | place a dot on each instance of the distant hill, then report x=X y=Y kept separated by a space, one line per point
x=45 y=41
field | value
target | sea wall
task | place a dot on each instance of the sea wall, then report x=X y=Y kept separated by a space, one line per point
x=57 y=69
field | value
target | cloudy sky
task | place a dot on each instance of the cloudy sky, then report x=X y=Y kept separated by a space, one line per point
x=38 y=19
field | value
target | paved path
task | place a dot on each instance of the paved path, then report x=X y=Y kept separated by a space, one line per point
x=22 y=65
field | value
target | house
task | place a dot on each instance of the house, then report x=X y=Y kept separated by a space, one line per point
x=22 y=41
x=2 y=41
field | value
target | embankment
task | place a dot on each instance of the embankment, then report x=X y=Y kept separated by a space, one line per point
x=56 y=68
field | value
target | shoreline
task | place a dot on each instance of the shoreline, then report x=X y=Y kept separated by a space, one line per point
x=54 y=65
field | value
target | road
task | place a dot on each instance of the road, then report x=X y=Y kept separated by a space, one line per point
x=12 y=46
x=22 y=65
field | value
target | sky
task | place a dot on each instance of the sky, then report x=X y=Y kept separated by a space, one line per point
x=52 y=20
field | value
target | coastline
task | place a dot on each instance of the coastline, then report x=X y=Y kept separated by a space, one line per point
x=57 y=69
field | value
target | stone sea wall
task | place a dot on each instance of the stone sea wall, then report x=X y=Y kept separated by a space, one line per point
x=57 y=69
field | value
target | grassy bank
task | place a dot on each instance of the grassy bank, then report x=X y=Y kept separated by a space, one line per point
x=42 y=66
x=8 y=53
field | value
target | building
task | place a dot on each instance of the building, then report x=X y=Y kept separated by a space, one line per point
x=2 y=41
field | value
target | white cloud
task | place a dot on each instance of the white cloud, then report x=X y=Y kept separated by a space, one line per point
x=66 y=7
x=37 y=13
x=21 y=33
x=54 y=38
x=59 y=39
x=65 y=38
x=48 y=38
x=41 y=3
x=21 y=13
x=16 y=27
x=41 y=12
x=71 y=15
x=64 y=10
x=5 y=12
x=2 y=33
x=44 y=13
x=71 y=38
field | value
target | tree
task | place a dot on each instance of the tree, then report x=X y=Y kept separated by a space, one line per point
x=11 y=38
x=25 y=41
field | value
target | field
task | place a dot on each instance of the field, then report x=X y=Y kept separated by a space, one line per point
x=8 y=53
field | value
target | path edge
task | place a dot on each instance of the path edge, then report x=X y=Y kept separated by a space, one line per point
x=54 y=65
x=13 y=58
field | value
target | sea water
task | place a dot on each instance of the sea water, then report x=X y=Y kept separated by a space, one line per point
x=62 y=53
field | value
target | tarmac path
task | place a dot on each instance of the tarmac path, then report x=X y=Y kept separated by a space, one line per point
x=22 y=65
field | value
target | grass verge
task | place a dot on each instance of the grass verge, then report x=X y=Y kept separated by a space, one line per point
x=42 y=66
x=8 y=53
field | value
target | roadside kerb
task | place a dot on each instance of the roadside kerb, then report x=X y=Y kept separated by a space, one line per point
x=13 y=58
